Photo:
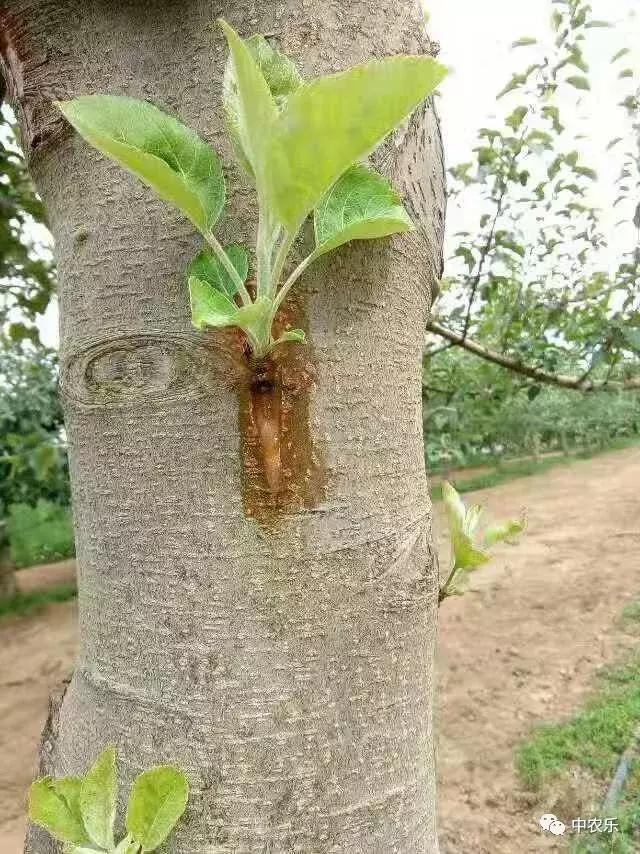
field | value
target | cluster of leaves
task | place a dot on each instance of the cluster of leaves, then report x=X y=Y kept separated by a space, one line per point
x=531 y=279
x=27 y=273
x=469 y=546
x=302 y=144
x=81 y=811
x=33 y=461
x=475 y=410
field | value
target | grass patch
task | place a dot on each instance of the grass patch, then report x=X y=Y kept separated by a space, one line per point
x=26 y=603
x=627 y=839
x=505 y=470
x=630 y=614
x=593 y=739
x=40 y=534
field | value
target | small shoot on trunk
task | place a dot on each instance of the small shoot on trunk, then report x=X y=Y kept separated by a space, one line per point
x=80 y=812
x=304 y=146
x=469 y=546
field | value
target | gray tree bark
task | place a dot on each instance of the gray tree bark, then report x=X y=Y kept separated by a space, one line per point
x=8 y=584
x=281 y=653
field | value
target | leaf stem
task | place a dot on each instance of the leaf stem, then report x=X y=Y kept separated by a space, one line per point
x=281 y=257
x=444 y=590
x=231 y=270
x=293 y=278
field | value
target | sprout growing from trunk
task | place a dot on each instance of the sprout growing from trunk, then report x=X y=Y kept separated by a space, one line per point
x=303 y=144
x=469 y=546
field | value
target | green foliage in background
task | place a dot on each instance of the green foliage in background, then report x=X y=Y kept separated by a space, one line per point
x=33 y=462
x=39 y=534
x=476 y=412
x=20 y=604
x=532 y=280
x=81 y=811
x=27 y=273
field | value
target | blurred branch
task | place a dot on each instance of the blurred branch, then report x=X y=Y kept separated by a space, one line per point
x=539 y=374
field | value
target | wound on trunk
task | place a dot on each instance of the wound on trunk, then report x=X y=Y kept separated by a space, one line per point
x=280 y=469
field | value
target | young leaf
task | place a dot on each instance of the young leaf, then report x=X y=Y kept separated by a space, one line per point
x=210 y=307
x=54 y=805
x=472 y=519
x=278 y=69
x=497 y=533
x=330 y=123
x=462 y=525
x=158 y=799
x=361 y=205
x=99 y=799
x=158 y=149
x=579 y=82
x=81 y=849
x=622 y=52
x=454 y=506
x=250 y=106
x=282 y=78
x=295 y=336
x=525 y=42
x=127 y=846
x=207 y=267
x=253 y=319
x=467 y=557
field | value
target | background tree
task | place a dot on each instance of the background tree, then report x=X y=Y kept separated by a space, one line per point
x=27 y=279
x=530 y=288
x=287 y=668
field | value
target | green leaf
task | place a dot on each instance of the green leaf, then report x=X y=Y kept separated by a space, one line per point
x=517 y=117
x=158 y=800
x=597 y=24
x=472 y=519
x=127 y=846
x=579 y=82
x=207 y=267
x=81 y=849
x=210 y=307
x=253 y=319
x=251 y=108
x=632 y=337
x=525 y=42
x=497 y=533
x=99 y=799
x=329 y=124
x=622 y=52
x=553 y=114
x=279 y=70
x=361 y=205
x=282 y=78
x=292 y=335
x=54 y=805
x=466 y=555
x=454 y=506
x=161 y=151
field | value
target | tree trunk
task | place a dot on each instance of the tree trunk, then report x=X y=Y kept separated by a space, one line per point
x=275 y=642
x=8 y=585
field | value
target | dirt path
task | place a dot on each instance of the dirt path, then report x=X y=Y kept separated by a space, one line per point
x=523 y=649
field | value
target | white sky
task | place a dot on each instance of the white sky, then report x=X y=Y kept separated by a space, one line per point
x=475 y=38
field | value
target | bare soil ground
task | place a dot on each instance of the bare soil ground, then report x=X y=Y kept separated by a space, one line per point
x=523 y=649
